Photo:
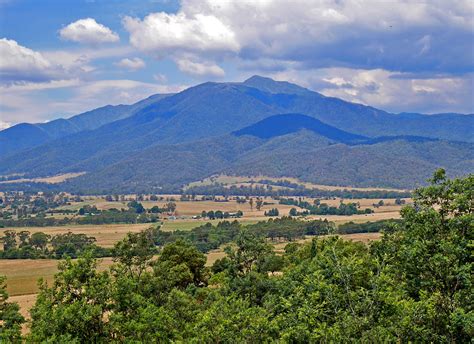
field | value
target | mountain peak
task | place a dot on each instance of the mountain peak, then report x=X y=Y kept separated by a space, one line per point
x=272 y=86
x=258 y=78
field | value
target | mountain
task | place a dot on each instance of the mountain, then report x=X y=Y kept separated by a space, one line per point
x=183 y=137
x=24 y=135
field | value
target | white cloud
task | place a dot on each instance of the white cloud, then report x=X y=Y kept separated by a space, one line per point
x=131 y=64
x=187 y=39
x=162 y=33
x=200 y=68
x=88 y=31
x=18 y=63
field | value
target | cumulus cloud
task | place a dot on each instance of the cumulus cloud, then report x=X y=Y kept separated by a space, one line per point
x=406 y=36
x=131 y=64
x=18 y=63
x=163 y=33
x=88 y=31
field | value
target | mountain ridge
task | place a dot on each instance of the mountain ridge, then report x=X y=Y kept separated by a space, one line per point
x=212 y=111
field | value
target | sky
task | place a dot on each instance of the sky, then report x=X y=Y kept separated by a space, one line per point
x=61 y=58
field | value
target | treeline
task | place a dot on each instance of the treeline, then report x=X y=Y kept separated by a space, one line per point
x=268 y=191
x=367 y=227
x=39 y=245
x=319 y=208
x=413 y=286
x=209 y=237
x=90 y=215
x=105 y=217
x=219 y=214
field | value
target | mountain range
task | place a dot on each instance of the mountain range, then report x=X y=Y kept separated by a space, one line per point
x=259 y=126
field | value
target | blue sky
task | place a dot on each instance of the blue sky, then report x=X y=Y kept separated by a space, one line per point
x=60 y=58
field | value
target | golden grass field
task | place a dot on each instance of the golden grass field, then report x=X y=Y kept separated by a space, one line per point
x=48 y=180
x=106 y=235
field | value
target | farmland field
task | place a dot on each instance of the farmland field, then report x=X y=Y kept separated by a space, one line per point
x=108 y=234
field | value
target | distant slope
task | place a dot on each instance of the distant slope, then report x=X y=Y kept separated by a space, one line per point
x=24 y=135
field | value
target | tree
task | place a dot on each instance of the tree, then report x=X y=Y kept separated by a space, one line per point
x=74 y=308
x=184 y=254
x=431 y=256
x=9 y=240
x=136 y=207
x=135 y=251
x=250 y=250
x=259 y=204
x=39 y=240
x=155 y=209
x=10 y=317
x=399 y=201
x=272 y=212
x=24 y=237
x=171 y=207
x=293 y=212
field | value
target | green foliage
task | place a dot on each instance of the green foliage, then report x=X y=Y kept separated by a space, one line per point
x=10 y=317
x=208 y=237
x=74 y=308
x=272 y=212
x=323 y=209
x=40 y=245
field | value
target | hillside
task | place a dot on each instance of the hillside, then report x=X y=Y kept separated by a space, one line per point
x=179 y=138
x=24 y=135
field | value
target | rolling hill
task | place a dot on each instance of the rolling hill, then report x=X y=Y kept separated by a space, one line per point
x=257 y=126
